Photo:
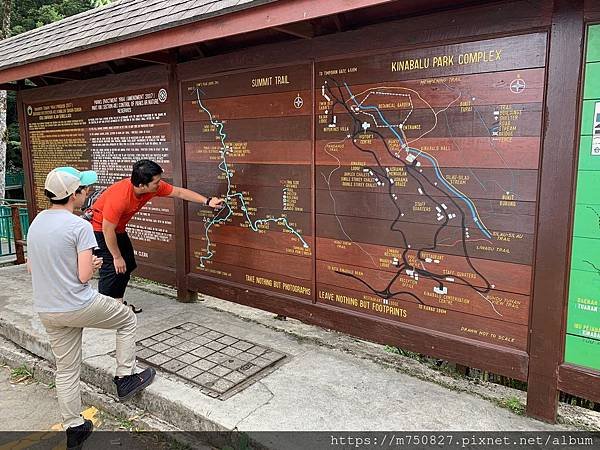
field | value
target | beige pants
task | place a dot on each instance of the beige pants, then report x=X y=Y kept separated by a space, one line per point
x=65 y=330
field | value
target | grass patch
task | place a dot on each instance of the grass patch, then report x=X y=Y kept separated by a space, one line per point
x=514 y=404
x=20 y=375
x=126 y=424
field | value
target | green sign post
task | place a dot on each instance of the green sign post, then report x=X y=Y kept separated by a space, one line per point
x=583 y=318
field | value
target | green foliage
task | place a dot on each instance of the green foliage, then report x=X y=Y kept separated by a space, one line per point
x=27 y=15
x=514 y=404
x=30 y=14
x=20 y=374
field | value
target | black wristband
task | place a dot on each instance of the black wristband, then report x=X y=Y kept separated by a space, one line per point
x=208 y=199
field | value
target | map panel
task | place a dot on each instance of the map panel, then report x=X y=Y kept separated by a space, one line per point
x=426 y=185
x=248 y=139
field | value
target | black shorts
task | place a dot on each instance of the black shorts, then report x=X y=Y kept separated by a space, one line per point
x=112 y=283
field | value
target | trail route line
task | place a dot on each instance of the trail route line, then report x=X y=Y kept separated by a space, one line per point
x=368 y=118
x=227 y=211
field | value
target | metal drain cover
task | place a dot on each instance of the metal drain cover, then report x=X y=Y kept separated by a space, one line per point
x=220 y=364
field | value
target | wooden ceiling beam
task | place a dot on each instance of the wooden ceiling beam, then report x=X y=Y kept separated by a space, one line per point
x=337 y=20
x=8 y=87
x=65 y=75
x=303 y=30
x=112 y=67
x=39 y=81
x=156 y=58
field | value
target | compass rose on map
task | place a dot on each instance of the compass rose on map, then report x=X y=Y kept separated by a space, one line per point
x=298 y=102
x=517 y=86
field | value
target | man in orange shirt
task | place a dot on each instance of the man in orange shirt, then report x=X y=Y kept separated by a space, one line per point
x=113 y=210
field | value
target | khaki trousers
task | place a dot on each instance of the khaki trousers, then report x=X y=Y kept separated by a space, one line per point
x=65 y=331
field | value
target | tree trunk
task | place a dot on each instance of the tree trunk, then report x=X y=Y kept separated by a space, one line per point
x=4 y=33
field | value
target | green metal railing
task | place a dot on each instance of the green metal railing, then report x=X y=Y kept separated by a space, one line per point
x=15 y=179
x=7 y=239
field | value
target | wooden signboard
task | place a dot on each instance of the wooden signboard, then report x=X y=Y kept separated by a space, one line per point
x=384 y=181
x=425 y=183
x=107 y=129
x=248 y=138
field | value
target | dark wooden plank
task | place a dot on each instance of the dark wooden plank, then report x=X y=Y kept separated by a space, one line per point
x=274 y=241
x=260 y=218
x=102 y=109
x=295 y=128
x=158 y=273
x=150 y=76
x=490 y=55
x=418 y=123
x=503 y=246
x=497 y=18
x=156 y=222
x=470 y=91
x=160 y=256
x=251 y=152
x=400 y=287
x=254 y=175
x=160 y=205
x=476 y=183
x=255 y=278
x=556 y=187
x=253 y=259
x=591 y=11
x=179 y=178
x=242 y=83
x=477 y=272
x=264 y=200
x=470 y=352
x=579 y=381
x=30 y=186
x=473 y=152
x=438 y=318
x=313 y=176
x=263 y=105
x=499 y=215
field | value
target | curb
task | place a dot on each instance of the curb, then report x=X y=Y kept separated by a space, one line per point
x=14 y=356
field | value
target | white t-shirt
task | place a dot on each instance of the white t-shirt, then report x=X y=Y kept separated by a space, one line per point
x=54 y=240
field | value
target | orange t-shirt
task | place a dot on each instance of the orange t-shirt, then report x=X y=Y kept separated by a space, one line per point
x=119 y=203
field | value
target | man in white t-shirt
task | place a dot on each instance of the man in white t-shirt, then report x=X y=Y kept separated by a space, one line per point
x=60 y=257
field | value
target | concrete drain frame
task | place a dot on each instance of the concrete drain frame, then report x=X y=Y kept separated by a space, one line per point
x=220 y=364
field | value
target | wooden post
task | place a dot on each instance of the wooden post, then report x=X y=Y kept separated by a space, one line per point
x=26 y=154
x=182 y=252
x=18 y=233
x=547 y=335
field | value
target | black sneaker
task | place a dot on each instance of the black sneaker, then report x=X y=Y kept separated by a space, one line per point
x=133 y=307
x=130 y=385
x=77 y=435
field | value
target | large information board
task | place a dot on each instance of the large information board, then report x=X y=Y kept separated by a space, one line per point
x=398 y=185
x=107 y=132
x=424 y=180
x=583 y=318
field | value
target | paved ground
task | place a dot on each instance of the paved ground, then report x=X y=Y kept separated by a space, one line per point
x=328 y=381
x=17 y=400
x=28 y=405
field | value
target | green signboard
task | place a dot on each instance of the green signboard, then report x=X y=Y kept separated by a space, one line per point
x=583 y=318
